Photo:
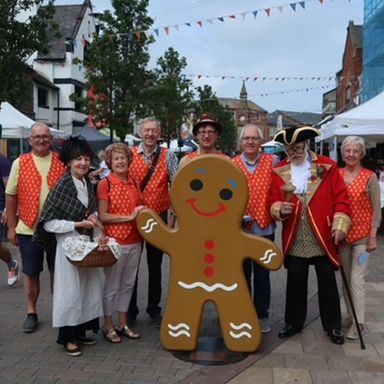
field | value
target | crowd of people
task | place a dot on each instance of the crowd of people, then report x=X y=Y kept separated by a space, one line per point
x=329 y=218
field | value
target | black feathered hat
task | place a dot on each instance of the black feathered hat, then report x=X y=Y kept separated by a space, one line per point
x=293 y=135
x=207 y=118
x=74 y=147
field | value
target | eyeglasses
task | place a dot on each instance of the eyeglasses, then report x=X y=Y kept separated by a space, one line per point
x=251 y=138
x=299 y=149
x=41 y=137
x=203 y=132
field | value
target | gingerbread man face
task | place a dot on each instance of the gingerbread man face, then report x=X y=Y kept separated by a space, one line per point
x=207 y=192
x=207 y=250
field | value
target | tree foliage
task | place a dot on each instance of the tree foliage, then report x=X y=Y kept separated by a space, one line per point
x=19 y=39
x=170 y=96
x=116 y=63
x=208 y=102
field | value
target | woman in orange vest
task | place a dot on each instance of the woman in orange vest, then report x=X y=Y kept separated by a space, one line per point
x=119 y=203
x=364 y=193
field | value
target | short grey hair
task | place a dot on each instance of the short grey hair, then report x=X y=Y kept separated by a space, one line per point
x=355 y=140
x=148 y=119
x=251 y=126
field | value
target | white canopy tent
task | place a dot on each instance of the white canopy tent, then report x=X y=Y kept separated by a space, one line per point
x=174 y=147
x=16 y=125
x=366 y=120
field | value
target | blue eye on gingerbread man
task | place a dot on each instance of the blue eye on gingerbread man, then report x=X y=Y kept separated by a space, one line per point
x=226 y=194
x=196 y=185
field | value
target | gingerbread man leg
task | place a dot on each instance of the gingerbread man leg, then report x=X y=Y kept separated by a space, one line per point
x=181 y=321
x=239 y=321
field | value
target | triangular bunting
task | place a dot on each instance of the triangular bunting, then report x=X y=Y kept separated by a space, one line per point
x=221 y=19
x=293 y=6
x=268 y=11
x=280 y=8
x=166 y=29
x=254 y=14
x=157 y=32
x=200 y=23
x=302 y=3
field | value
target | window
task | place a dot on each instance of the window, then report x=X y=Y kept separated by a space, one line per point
x=42 y=98
x=79 y=93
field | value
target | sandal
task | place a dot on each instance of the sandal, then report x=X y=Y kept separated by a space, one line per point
x=125 y=331
x=76 y=351
x=112 y=336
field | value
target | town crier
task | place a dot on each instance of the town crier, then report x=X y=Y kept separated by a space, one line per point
x=311 y=199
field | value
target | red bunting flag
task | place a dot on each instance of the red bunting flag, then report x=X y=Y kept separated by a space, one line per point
x=268 y=11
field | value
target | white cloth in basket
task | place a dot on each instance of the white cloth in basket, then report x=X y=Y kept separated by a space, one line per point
x=76 y=248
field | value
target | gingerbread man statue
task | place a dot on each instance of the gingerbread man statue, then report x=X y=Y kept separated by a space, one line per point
x=207 y=249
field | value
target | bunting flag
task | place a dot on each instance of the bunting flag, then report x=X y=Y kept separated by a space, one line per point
x=264 y=78
x=242 y=16
x=308 y=89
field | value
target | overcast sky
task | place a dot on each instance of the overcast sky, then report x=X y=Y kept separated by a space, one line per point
x=305 y=43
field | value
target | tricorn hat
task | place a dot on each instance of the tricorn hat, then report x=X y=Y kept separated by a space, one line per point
x=207 y=118
x=293 y=135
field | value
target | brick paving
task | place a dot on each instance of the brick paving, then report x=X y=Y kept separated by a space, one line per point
x=308 y=357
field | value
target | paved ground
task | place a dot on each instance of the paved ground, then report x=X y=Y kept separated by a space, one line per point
x=308 y=357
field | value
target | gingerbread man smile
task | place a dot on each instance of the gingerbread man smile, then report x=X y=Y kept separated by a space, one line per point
x=192 y=202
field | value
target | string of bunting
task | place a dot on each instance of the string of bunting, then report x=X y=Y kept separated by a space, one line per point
x=307 y=89
x=263 y=78
x=235 y=16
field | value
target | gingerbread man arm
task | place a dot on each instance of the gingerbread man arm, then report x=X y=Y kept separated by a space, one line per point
x=153 y=229
x=262 y=251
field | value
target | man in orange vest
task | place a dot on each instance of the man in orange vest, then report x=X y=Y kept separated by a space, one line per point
x=257 y=167
x=155 y=190
x=32 y=176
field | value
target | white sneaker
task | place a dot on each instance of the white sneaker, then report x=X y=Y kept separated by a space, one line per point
x=352 y=333
x=265 y=325
x=13 y=274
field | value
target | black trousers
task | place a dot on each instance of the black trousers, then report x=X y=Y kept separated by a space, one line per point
x=154 y=261
x=259 y=284
x=297 y=289
x=72 y=334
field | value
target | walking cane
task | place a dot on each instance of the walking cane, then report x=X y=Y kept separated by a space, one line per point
x=344 y=278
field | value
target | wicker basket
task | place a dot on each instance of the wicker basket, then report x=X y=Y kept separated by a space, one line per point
x=96 y=259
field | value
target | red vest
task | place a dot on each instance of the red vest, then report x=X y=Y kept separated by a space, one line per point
x=29 y=185
x=361 y=206
x=123 y=198
x=156 y=193
x=259 y=184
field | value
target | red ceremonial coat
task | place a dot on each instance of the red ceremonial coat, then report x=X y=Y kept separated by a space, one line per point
x=327 y=200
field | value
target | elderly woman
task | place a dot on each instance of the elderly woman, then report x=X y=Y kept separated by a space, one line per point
x=70 y=209
x=364 y=193
x=119 y=203
x=310 y=197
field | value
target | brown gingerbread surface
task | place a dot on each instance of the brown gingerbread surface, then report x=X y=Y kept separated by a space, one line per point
x=207 y=249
